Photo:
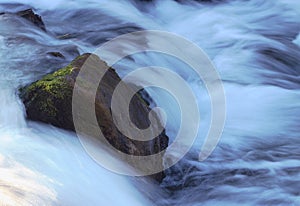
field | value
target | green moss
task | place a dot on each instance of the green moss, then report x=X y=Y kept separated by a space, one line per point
x=52 y=83
x=51 y=89
x=60 y=73
x=47 y=107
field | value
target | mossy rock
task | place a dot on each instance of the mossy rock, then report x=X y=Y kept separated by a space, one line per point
x=50 y=100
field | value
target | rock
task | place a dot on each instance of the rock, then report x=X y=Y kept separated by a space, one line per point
x=50 y=100
x=66 y=36
x=32 y=17
x=56 y=54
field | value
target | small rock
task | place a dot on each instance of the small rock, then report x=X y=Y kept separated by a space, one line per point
x=66 y=36
x=56 y=54
x=32 y=17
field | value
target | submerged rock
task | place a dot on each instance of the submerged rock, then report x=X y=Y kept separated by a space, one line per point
x=32 y=17
x=56 y=54
x=50 y=100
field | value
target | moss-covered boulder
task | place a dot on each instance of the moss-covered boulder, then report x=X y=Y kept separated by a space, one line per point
x=50 y=100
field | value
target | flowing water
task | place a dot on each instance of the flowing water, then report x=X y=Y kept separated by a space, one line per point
x=255 y=46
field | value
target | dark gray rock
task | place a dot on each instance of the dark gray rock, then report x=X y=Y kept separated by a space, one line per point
x=50 y=100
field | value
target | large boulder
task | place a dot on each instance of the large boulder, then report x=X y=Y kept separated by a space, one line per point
x=49 y=100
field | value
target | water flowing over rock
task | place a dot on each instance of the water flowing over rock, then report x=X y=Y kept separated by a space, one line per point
x=50 y=100
x=29 y=15
x=32 y=17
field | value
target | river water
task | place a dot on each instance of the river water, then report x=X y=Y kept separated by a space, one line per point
x=255 y=46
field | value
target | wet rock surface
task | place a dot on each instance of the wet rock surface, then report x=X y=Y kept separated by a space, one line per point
x=49 y=100
x=32 y=17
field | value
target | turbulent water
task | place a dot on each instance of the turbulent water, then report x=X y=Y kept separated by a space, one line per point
x=255 y=46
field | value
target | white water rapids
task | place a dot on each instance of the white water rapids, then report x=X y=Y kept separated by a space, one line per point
x=255 y=46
